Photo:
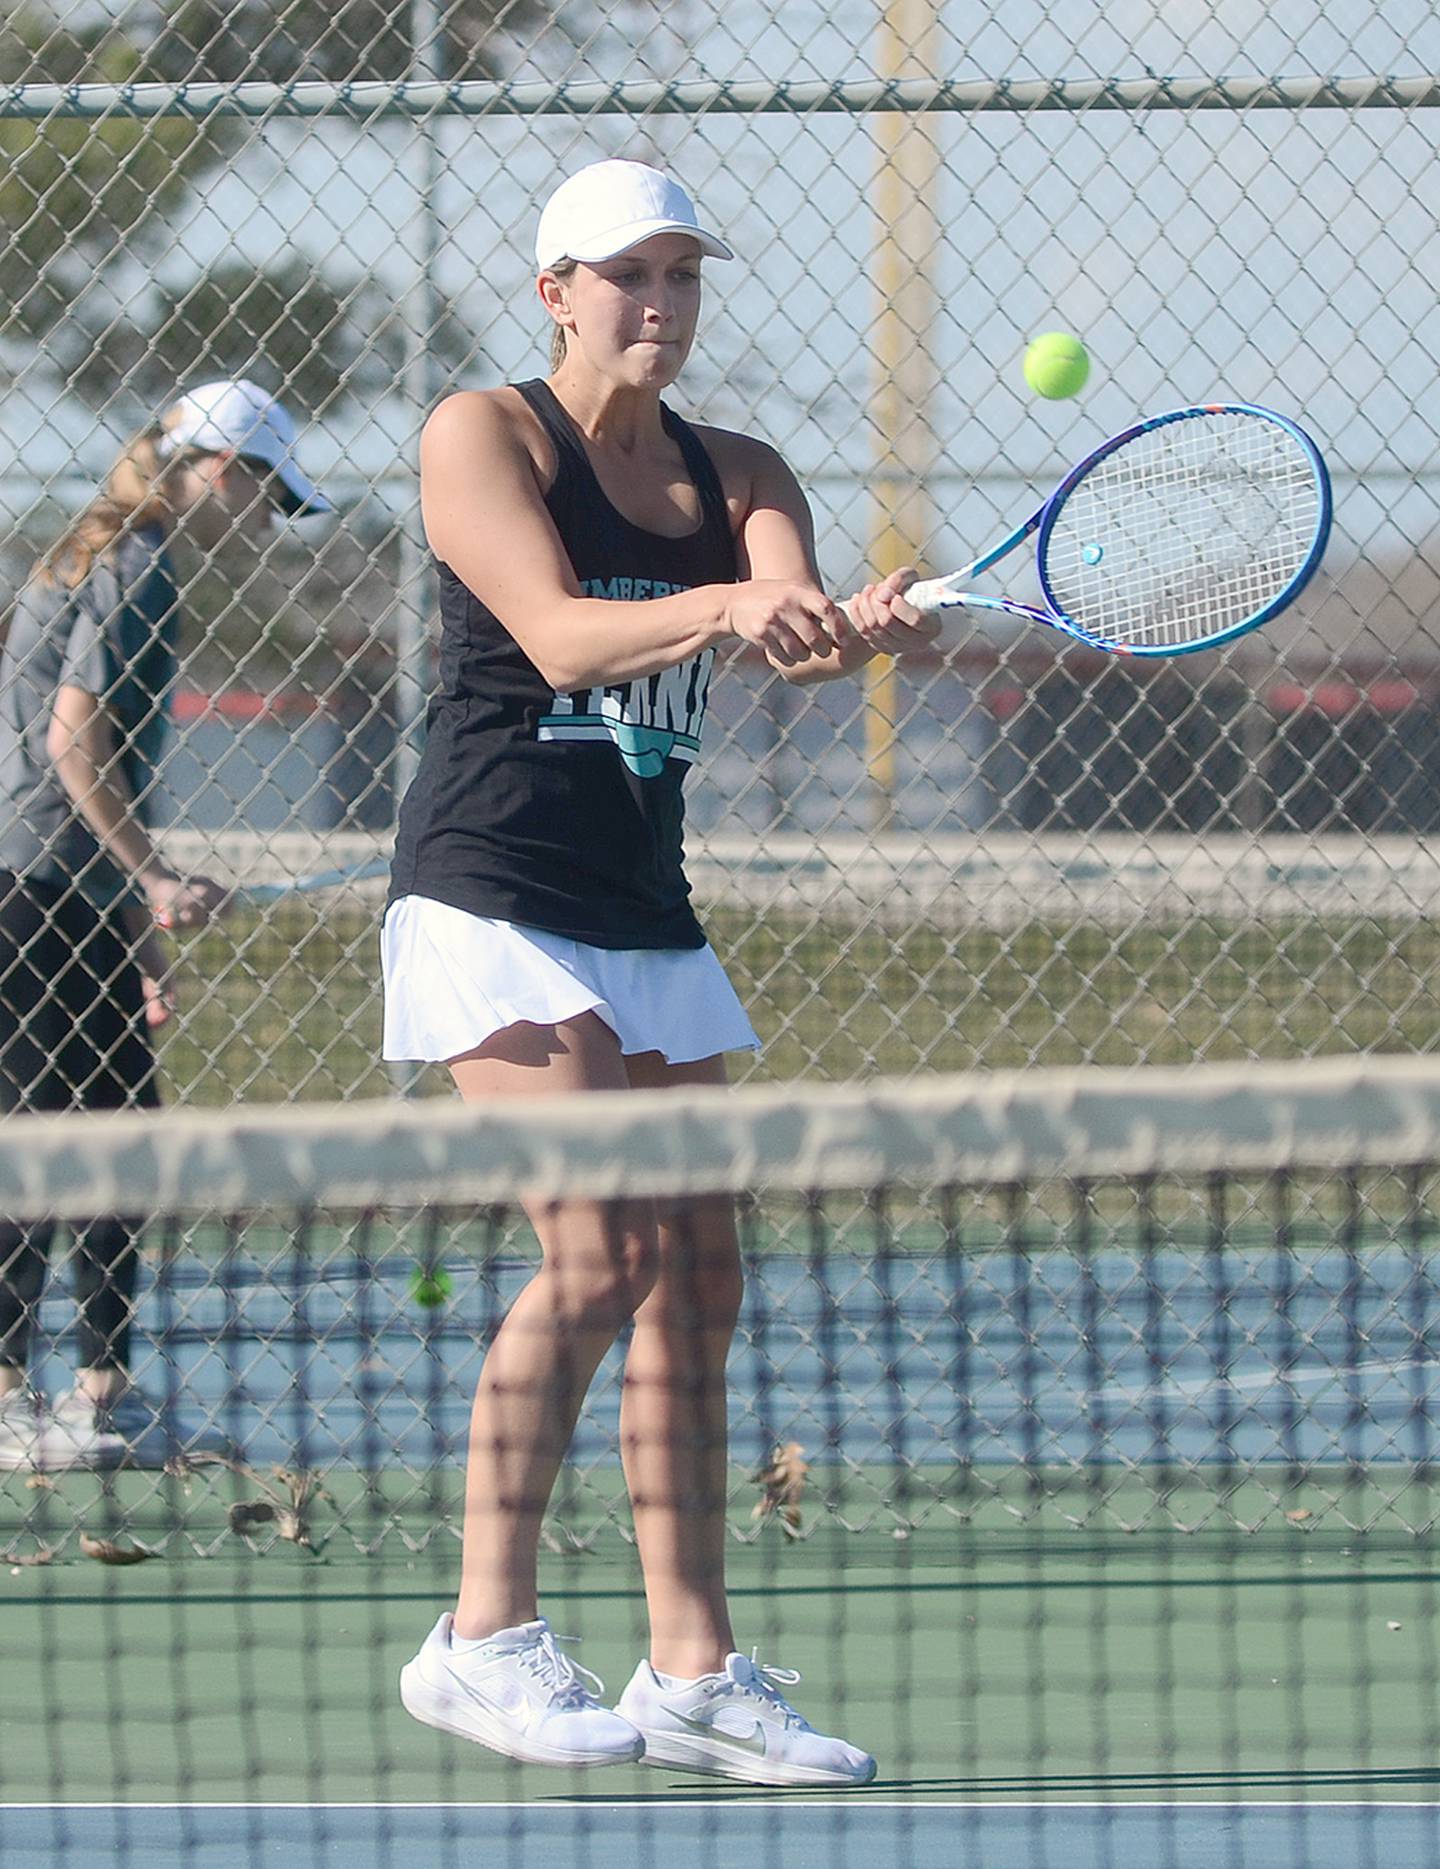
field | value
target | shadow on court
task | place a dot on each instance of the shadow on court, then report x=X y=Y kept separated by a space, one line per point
x=1103 y=1784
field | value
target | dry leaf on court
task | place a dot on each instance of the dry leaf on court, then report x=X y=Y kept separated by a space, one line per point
x=782 y=1486
x=246 y=1514
x=284 y=1501
x=107 y=1551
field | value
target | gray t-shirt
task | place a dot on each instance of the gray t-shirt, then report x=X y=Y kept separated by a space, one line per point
x=114 y=636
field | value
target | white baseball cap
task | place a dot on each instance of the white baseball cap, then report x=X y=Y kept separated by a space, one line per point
x=237 y=417
x=610 y=207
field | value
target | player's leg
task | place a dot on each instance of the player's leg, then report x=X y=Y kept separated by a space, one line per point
x=672 y=1411
x=494 y=1673
x=24 y=1252
x=35 y=1029
x=699 y=1704
x=107 y=1061
x=28 y=1034
x=597 y=1264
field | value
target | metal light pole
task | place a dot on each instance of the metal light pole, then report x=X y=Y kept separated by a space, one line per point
x=421 y=313
x=422 y=310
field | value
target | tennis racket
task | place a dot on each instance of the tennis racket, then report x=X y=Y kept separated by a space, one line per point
x=262 y=895
x=259 y=895
x=1178 y=534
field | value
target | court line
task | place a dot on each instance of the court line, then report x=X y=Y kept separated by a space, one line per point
x=1299 y=1375
x=1033 y=1578
x=850 y=1801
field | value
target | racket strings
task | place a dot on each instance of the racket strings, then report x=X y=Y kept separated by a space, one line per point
x=1184 y=532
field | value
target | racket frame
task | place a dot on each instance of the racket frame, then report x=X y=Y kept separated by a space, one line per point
x=938 y=593
x=260 y=895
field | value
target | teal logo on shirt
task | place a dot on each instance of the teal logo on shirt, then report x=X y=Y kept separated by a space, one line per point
x=645 y=749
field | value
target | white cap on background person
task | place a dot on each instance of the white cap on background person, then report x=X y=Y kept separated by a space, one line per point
x=610 y=207
x=237 y=417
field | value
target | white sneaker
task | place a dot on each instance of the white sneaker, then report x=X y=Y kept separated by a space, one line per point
x=130 y=1421
x=737 y=1724
x=19 y=1430
x=518 y=1694
x=36 y=1436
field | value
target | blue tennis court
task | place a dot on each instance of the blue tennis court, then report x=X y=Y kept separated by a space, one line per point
x=790 y=1833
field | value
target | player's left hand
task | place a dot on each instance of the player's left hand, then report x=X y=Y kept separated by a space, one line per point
x=154 y=965
x=160 y=1003
x=885 y=623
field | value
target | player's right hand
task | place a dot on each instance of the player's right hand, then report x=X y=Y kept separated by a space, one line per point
x=788 y=623
x=885 y=622
x=184 y=901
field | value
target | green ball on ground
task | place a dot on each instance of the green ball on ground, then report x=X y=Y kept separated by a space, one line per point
x=1056 y=365
x=430 y=1287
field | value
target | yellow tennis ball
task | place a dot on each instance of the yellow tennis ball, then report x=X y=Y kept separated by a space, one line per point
x=431 y=1287
x=1056 y=365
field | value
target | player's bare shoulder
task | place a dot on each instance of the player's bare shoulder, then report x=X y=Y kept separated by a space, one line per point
x=488 y=426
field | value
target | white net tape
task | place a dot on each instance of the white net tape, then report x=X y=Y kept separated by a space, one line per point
x=979 y=1131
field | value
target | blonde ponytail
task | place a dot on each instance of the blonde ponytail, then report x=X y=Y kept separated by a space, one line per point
x=562 y=269
x=134 y=493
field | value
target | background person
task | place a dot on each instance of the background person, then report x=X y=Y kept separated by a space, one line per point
x=85 y=679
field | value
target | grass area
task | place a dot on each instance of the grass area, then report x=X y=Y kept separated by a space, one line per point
x=840 y=1003
x=290 y=1008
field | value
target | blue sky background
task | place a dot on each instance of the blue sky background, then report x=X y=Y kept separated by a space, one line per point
x=1277 y=257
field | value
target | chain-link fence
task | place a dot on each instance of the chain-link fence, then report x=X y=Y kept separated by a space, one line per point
x=1007 y=853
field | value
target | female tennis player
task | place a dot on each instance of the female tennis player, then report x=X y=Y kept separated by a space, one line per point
x=87 y=669
x=594 y=552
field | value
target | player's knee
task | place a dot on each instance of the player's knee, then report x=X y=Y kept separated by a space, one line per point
x=638 y=1270
x=722 y=1289
x=612 y=1284
x=703 y=1280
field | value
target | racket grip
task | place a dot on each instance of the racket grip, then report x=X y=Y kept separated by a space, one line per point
x=930 y=595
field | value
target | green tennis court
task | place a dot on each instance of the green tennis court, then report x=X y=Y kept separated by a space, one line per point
x=1136 y=1669
x=1105 y=1698
x=1118 y=1508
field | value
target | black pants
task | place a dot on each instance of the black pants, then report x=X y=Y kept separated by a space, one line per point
x=72 y=1037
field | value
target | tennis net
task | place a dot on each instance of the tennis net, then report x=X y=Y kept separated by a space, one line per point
x=1082 y=1442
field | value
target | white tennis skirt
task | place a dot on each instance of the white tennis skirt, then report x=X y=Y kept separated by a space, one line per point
x=453 y=979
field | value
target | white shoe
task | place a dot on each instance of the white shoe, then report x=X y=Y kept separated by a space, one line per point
x=39 y=1437
x=518 y=1694
x=131 y=1422
x=737 y=1724
x=19 y=1430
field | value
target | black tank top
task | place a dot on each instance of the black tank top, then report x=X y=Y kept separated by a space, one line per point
x=565 y=811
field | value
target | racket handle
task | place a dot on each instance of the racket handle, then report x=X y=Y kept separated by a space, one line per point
x=930 y=595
